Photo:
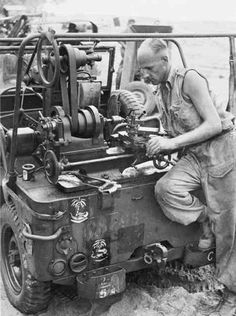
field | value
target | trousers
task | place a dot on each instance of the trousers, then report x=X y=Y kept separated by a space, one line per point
x=210 y=167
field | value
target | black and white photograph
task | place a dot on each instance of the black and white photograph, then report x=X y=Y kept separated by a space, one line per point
x=118 y=158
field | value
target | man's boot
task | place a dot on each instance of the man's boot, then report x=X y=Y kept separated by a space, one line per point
x=207 y=240
x=227 y=305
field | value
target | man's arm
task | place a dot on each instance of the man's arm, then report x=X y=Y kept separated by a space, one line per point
x=195 y=88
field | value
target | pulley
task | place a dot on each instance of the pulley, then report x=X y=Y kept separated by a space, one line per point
x=89 y=122
x=51 y=166
x=70 y=60
x=81 y=57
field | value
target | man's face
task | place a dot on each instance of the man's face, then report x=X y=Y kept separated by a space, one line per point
x=154 y=67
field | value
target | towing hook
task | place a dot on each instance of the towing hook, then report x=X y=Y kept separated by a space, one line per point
x=155 y=253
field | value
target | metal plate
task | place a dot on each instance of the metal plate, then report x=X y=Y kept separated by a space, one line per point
x=130 y=238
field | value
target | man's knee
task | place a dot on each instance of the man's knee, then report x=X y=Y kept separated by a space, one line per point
x=164 y=189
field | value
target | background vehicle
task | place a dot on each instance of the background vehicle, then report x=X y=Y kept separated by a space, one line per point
x=129 y=76
x=71 y=212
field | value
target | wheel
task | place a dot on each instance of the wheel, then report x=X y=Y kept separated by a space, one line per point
x=3 y=160
x=52 y=57
x=3 y=145
x=144 y=94
x=121 y=102
x=161 y=161
x=23 y=291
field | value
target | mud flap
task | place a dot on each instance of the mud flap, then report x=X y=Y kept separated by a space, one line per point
x=197 y=258
x=101 y=283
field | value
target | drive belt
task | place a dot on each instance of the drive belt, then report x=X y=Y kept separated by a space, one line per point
x=64 y=94
x=69 y=94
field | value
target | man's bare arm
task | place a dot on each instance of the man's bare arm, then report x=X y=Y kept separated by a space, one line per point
x=195 y=88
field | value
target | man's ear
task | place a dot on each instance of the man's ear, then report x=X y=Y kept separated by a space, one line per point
x=165 y=58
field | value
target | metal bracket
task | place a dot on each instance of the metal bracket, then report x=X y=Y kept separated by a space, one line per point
x=27 y=233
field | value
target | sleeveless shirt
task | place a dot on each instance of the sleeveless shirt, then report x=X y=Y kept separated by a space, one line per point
x=178 y=113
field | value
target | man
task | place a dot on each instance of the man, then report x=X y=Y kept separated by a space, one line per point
x=207 y=138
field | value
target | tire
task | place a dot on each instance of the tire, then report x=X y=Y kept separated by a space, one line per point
x=144 y=94
x=24 y=292
x=3 y=161
x=122 y=102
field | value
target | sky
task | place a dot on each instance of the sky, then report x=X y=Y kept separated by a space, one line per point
x=197 y=10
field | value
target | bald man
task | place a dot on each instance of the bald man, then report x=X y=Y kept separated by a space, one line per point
x=206 y=137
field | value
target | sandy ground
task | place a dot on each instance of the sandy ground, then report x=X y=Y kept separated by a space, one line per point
x=141 y=298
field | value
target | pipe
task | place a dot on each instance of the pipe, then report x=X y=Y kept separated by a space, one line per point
x=79 y=163
x=126 y=36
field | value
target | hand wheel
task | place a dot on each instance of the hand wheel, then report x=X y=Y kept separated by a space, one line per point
x=52 y=57
x=161 y=162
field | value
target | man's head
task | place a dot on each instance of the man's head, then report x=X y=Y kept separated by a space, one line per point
x=153 y=59
x=131 y=22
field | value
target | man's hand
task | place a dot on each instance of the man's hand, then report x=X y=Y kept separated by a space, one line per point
x=159 y=144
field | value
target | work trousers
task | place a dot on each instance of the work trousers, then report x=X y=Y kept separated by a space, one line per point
x=211 y=167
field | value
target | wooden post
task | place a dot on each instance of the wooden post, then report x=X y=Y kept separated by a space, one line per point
x=129 y=65
x=232 y=77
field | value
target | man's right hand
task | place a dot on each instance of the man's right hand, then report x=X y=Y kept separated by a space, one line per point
x=159 y=144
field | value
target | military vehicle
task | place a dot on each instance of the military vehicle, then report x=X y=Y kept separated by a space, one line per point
x=77 y=189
